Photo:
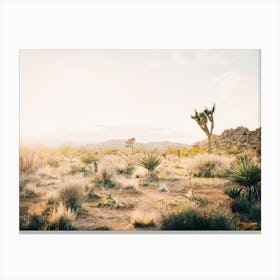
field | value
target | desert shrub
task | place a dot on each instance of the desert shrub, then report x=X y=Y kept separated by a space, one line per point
x=28 y=194
x=64 y=150
x=240 y=206
x=126 y=170
x=109 y=203
x=163 y=189
x=124 y=205
x=194 y=150
x=247 y=174
x=23 y=181
x=192 y=219
x=52 y=201
x=258 y=150
x=144 y=218
x=75 y=169
x=44 y=217
x=61 y=218
x=71 y=197
x=61 y=224
x=91 y=158
x=150 y=161
x=104 y=179
x=91 y=196
x=210 y=165
x=200 y=201
x=35 y=222
x=232 y=191
x=53 y=162
x=29 y=163
x=102 y=228
x=131 y=190
x=88 y=158
x=255 y=213
x=141 y=224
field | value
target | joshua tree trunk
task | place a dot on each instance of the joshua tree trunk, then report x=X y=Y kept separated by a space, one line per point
x=95 y=166
x=209 y=144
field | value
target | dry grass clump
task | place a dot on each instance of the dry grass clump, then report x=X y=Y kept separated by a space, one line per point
x=29 y=193
x=105 y=179
x=53 y=161
x=144 y=218
x=42 y=217
x=111 y=163
x=195 y=219
x=210 y=165
x=47 y=172
x=61 y=215
x=29 y=163
x=71 y=197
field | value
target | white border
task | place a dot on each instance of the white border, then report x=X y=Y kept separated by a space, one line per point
x=155 y=24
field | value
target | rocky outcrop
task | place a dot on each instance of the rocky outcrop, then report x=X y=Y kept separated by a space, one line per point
x=238 y=138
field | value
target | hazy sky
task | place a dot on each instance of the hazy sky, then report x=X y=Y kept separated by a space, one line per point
x=94 y=95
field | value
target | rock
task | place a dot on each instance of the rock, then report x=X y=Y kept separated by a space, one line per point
x=238 y=138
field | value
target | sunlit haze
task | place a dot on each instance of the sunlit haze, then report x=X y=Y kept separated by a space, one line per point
x=88 y=96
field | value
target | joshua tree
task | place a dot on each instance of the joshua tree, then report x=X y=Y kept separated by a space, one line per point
x=202 y=119
x=130 y=143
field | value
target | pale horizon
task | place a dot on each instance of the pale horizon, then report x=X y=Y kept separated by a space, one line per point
x=90 y=96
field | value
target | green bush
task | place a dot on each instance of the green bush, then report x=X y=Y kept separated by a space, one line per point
x=105 y=180
x=28 y=194
x=35 y=222
x=125 y=171
x=192 y=219
x=255 y=213
x=91 y=196
x=62 y=224
x=241 y=206
x=75 y=169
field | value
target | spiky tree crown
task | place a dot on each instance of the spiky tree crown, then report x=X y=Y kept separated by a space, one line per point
x=130 y=142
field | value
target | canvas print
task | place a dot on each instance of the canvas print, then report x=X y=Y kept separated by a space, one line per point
x=140 y=140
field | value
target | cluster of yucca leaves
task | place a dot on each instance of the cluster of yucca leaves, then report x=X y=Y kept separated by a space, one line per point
x=233 y=192
x=150 y=161
x=247 y=175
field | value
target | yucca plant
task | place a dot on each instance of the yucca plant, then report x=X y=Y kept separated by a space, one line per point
x=150 y=161
x=247 y=175
x=233 y=192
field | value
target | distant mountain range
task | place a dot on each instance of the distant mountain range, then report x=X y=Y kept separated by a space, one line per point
x=240 y=137
x=120 y=144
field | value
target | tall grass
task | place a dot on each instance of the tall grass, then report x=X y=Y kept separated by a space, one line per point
x=210 y=165
x=193 y=219
x=29 y=163
x=71 y=197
